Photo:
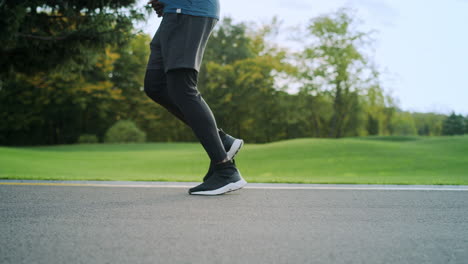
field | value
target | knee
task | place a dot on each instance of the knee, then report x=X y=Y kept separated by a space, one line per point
x=182 y=85
x=155 y=84
x=151 y=91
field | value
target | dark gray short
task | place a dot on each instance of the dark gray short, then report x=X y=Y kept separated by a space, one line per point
x=180 y=42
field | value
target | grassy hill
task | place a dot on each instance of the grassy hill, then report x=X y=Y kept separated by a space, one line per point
x=373 y=160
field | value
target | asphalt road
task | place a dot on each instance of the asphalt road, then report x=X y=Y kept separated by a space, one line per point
x=80 y=224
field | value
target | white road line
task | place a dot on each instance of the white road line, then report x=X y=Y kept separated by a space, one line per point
x=254 y=186
x=360 y=188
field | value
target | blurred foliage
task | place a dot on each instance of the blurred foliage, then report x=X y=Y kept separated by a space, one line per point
x=124 y=131
x=466 y=124
x=257 y=90
x=403 y=124
x=41 y=35
x=454 y=125
x=334 y=64
x=88 y=139
x=428 y=124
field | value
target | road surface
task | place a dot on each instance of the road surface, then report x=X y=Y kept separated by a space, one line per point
x=140 y=224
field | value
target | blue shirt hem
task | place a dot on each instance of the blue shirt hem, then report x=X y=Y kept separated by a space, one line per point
x=190 y=13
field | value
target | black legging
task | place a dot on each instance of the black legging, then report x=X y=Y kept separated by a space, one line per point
x=177 y=91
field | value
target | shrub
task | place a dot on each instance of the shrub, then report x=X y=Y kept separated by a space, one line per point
x=124 y=131
x=88 y=138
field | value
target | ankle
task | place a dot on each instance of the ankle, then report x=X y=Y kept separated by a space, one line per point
x=223 y=161
x=221 y=132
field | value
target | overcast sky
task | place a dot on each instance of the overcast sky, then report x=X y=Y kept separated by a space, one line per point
x=422 y=46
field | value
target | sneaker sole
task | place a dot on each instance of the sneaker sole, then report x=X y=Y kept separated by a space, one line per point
x=235 y=147
x=234 y=186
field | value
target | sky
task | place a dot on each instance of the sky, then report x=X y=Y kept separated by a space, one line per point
x=421 y=47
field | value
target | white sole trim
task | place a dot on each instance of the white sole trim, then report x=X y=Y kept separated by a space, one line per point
x=233 y=186
x=235 y=147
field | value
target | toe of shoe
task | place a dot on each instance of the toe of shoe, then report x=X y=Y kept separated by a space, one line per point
x=197 y=188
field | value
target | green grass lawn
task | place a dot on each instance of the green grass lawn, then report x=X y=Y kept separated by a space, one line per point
x=372 y=160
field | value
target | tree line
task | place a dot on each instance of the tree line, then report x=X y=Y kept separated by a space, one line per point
x=69 y=78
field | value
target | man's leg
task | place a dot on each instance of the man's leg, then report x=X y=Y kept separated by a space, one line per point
x=156 y=89
x=182 y=89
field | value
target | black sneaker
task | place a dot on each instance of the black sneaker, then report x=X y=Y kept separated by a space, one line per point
x=210 y=170
x=225 y=178
x=209 y=173
x=232 y=146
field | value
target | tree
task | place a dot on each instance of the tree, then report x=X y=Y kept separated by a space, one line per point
x=453 y=125
x=429 y=124
x=246 y=78
x=466 y=124
x=55 y=59
x=334 y=65
x=55 y=108
x=228 y=43
x=39 y=35
x=403 y=124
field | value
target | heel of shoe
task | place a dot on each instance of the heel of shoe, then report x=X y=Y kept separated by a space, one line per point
x=235 y=147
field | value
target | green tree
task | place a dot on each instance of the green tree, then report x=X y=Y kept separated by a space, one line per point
x=403 y=124
x=429 y=124
x=466 y=124
x=55 y=108
x=334 y=64
x=38 y=35
x=228 y=43
x=54 y=66
x=378 y=109
x=453 y=125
